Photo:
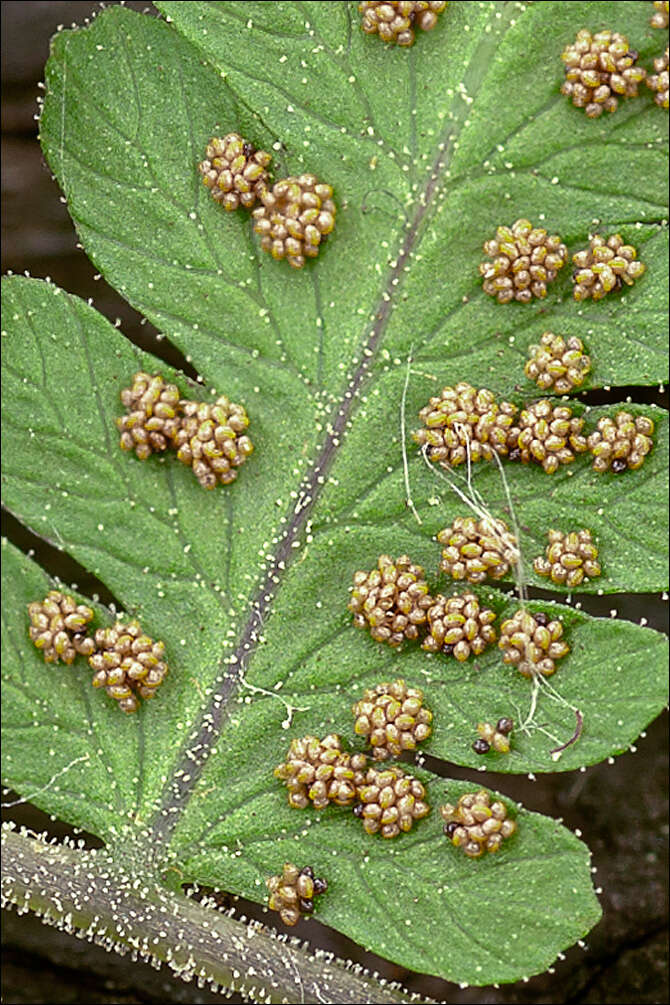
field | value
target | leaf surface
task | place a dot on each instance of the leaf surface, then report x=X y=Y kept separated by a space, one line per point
x=248 y=586
x=544 y=863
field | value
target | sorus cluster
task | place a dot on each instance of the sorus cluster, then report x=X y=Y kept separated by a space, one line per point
x=660 y=16
x=389 y=801
x=658 y=82
x=477 y=550
x=600 y=69
x=557 y=364
x=319 y=771
x=477 y=824
x=621 y=443
x=459 y=627
x=604 y=267
x=394 y=21
x=532 y=643
x=391 y=600
x=292 y=893
x=525 y=260
x=569 y=558
x=466 y=424
x=127 y=663
x=547 y=434
x=295 y=214
x=234 y=171
x=392 y=717
x=497 y=736
x=58 y=627
x=210 y=438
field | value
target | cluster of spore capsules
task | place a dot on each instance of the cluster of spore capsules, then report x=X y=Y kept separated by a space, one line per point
x=601 y=69
x=292 y=892
x=392 y=718
x=522 y=260
x=459 y=626
x=395 y=21
x=293 y=216
x=211 y=438
x=465 y=424
x=127 y=663
x=394 y=601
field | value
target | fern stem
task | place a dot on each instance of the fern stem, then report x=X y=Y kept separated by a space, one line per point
x=90 y=894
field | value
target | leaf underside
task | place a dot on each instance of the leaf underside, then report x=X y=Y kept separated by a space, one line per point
x=248 y=585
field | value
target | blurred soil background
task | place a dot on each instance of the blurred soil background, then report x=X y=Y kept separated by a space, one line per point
x=621 y=810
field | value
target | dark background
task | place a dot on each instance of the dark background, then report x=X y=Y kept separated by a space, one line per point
x=621 y=810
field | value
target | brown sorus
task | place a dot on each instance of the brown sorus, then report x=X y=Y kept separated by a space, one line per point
x=547 y=434
x=389 y=801
x=604 y=267
x=295 y=217
x=462 y=424
x=532 y=643
x=569 y=558
x=58 y=627
x=394 y=21
x=493 y=736
x=128 y=664
x=234 y=171
x=152 y=420
x=524 y=259
x=600 y=69
x=477 y=824
x=621 y=443
x=320 y=772
x=212 y=440
x=292 y=892
x=459 y=627
x=391 y=600
x=392 y=718
x=476 y=550
x=557 y=364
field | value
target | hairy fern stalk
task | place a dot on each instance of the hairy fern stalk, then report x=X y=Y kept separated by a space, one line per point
x=427 y=149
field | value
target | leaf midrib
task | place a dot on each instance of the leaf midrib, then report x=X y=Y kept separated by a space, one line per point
x=193 y=757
